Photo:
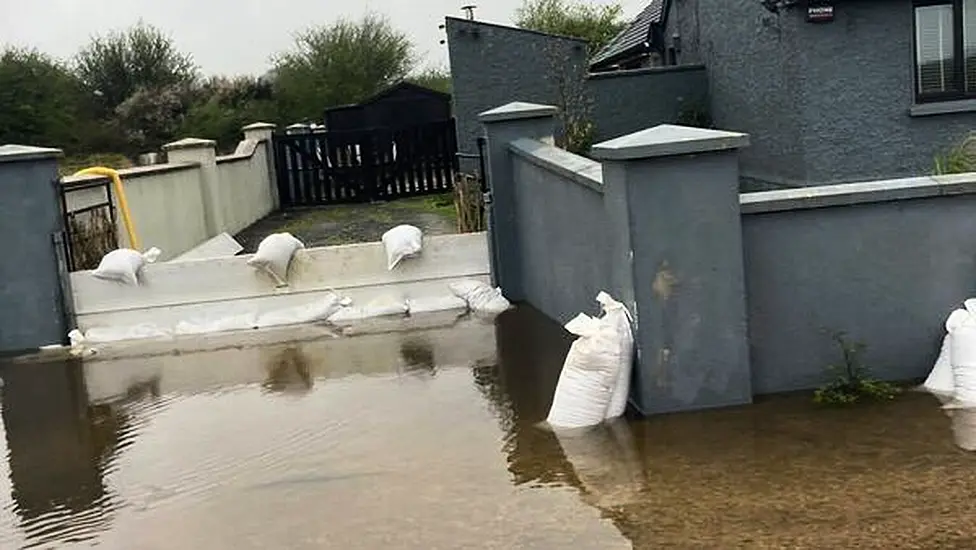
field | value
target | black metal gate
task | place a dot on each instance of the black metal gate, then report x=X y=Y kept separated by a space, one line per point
x=382 y=164
x=89 y=222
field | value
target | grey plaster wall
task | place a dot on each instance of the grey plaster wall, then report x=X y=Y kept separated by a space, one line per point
x=887 y=273
x=689 y=282
x=492 y=65
x=824 y=103
x=629 y=101
x=31 y=312
x=563 y=233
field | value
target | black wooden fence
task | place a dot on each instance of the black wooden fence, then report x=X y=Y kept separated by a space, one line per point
x=365 y=165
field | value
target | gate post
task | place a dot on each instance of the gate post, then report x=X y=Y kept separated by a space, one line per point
x=263 y=132
x=203 y=152
x=676 y=190
x=502 y=126
x=34 y=296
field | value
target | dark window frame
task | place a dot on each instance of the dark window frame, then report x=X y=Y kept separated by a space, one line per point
x=958 y=52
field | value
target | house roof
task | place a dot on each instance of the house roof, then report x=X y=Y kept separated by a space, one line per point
x=635 y=35
x=403 y=84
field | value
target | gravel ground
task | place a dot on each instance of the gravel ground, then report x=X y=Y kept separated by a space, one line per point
x=354 y=223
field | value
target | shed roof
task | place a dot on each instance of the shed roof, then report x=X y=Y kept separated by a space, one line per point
x=635 y=35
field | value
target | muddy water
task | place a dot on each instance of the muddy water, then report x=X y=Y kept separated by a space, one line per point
x=428 y=439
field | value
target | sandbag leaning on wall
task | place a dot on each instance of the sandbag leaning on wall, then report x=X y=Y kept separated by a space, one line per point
x=595 y=381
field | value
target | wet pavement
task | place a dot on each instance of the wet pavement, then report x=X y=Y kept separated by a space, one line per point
x=430 y=439
x=355 y=223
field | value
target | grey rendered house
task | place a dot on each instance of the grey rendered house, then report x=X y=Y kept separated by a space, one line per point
x=830 y=90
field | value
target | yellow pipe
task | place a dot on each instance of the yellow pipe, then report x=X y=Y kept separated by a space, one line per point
x=120 y=193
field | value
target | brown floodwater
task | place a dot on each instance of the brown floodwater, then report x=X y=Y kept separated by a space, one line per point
x=429 y=439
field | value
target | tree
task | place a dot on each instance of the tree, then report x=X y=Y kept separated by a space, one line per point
x=41 y=102
x=598 y=25
x=225 y=105
x=120 y=64
x=433 y=78
x=339 y=64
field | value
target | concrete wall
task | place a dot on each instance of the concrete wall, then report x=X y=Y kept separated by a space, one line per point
x=219 y=289
x=733 y=294
x=32 y=311
x=246 y=190
x=559 y=201
x=565 y=228
x=824 y=103
x=492 y=64
x=196 y=196
x=884 y=262
x=628 y=101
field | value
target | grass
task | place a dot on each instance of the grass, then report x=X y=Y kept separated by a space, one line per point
x=960 y=159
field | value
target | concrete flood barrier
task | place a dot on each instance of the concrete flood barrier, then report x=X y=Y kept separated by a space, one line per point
x=208 y=290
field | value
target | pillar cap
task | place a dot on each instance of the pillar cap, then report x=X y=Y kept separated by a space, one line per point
x=190 y=143
x=668 y=140
x=517 y=110
x=259 y=126
x=12 y=153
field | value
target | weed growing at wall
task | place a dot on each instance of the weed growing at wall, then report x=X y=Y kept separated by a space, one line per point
x=960 y=159
x=574 y=104
x=852 y=381
x=469 y=204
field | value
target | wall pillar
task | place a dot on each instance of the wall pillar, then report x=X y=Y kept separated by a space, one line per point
x=35 y=299
x=204 y=153
x=502 y=126
x=263 y=132
x=677 y=190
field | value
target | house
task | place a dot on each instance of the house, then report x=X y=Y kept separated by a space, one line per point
x=830 y=90
x=642 y=43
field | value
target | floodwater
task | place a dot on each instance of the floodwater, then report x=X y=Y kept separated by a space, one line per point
x=429 y=440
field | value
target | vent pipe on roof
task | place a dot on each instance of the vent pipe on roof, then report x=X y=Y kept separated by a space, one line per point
x=469 y=11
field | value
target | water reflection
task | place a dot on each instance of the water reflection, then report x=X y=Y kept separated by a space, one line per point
x=417 y=356
x=964 y=427
x=781 y=473
x=289 y=372
x=59 y=449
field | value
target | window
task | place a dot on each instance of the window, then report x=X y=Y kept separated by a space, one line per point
x=945 y=50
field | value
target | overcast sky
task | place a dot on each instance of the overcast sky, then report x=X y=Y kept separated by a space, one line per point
x=233 y=36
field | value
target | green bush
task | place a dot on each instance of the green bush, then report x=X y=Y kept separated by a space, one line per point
x=852 y=380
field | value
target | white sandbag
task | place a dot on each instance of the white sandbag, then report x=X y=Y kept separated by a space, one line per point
x=144 y=331
x=617 y=318
x=940 y=380
x=593 y=367
x=384 y=306
x=480 y=297
x=242 y=321
x=319 y=310
x=962 y=348
x=125 y=265
x=275 y=254
x=433 y=304
x=403 y=241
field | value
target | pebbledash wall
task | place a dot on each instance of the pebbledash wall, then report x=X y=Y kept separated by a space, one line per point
x=733 y=294
x=492 y=63
x=196 y=195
